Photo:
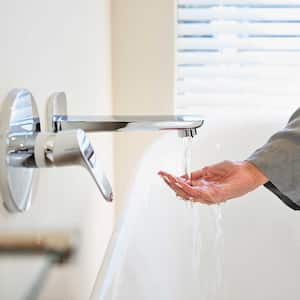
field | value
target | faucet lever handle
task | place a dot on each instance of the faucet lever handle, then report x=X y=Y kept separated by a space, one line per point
x=72 y=147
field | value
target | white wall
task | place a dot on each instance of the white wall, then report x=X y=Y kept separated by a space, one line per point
x=143 y=75
x=57 y=45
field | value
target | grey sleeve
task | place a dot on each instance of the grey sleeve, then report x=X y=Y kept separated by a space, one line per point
x=279 y=160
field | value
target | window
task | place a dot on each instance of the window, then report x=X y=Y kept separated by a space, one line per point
x=237 y=52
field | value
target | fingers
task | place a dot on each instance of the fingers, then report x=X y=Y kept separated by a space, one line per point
x=199 y=194
x=184 y=190
x=192 y=191
x=173 y=184
x=194 y=175
x=173 y=178
x=163 y=173
x=179 y=192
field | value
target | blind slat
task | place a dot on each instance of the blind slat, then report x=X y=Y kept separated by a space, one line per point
x=237 y=86
x=234 y=71
x=193 y=104
x=239 y=14
x=242 y=58
x=227 y=27
x=238 y=43
x=238 y=2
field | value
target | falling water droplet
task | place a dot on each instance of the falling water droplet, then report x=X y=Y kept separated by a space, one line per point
x=187 y=160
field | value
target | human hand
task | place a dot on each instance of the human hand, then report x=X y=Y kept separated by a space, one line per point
x=217 y=183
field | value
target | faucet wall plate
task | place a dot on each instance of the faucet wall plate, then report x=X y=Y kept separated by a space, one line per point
x=19 y=117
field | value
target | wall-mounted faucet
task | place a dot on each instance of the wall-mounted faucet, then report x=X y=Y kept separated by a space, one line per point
x=59 y=120
x=23 y=148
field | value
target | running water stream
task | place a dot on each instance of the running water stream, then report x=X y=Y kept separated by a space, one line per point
x=218 y=242
x=187 y=161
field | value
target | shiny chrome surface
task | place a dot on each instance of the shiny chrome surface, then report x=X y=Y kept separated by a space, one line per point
x=125 y=123
x=59 y=120
x=70 y=148
x=20 y=151
x=23 y=149
x=19 y=126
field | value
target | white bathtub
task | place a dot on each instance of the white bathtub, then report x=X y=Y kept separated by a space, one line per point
x=151 y=256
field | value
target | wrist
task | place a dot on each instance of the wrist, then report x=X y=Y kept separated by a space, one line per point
x=257 y=176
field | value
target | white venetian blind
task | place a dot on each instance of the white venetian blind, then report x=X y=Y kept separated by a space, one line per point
x=237 y=51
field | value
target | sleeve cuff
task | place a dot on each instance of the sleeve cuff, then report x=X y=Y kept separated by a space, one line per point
x=271 y=187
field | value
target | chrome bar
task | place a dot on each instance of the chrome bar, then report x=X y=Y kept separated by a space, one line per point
x=126 y=123
x=59 y=120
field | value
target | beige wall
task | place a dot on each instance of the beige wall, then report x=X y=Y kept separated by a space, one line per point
x=65 y=45
x=57 y=45
x=143 y=76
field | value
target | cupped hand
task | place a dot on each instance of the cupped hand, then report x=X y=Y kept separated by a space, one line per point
x=217 y=183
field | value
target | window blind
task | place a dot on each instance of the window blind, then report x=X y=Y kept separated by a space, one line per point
x=237 y=51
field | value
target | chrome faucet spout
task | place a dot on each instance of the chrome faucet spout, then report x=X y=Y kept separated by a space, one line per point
x=186 y=124
x=59 y=120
